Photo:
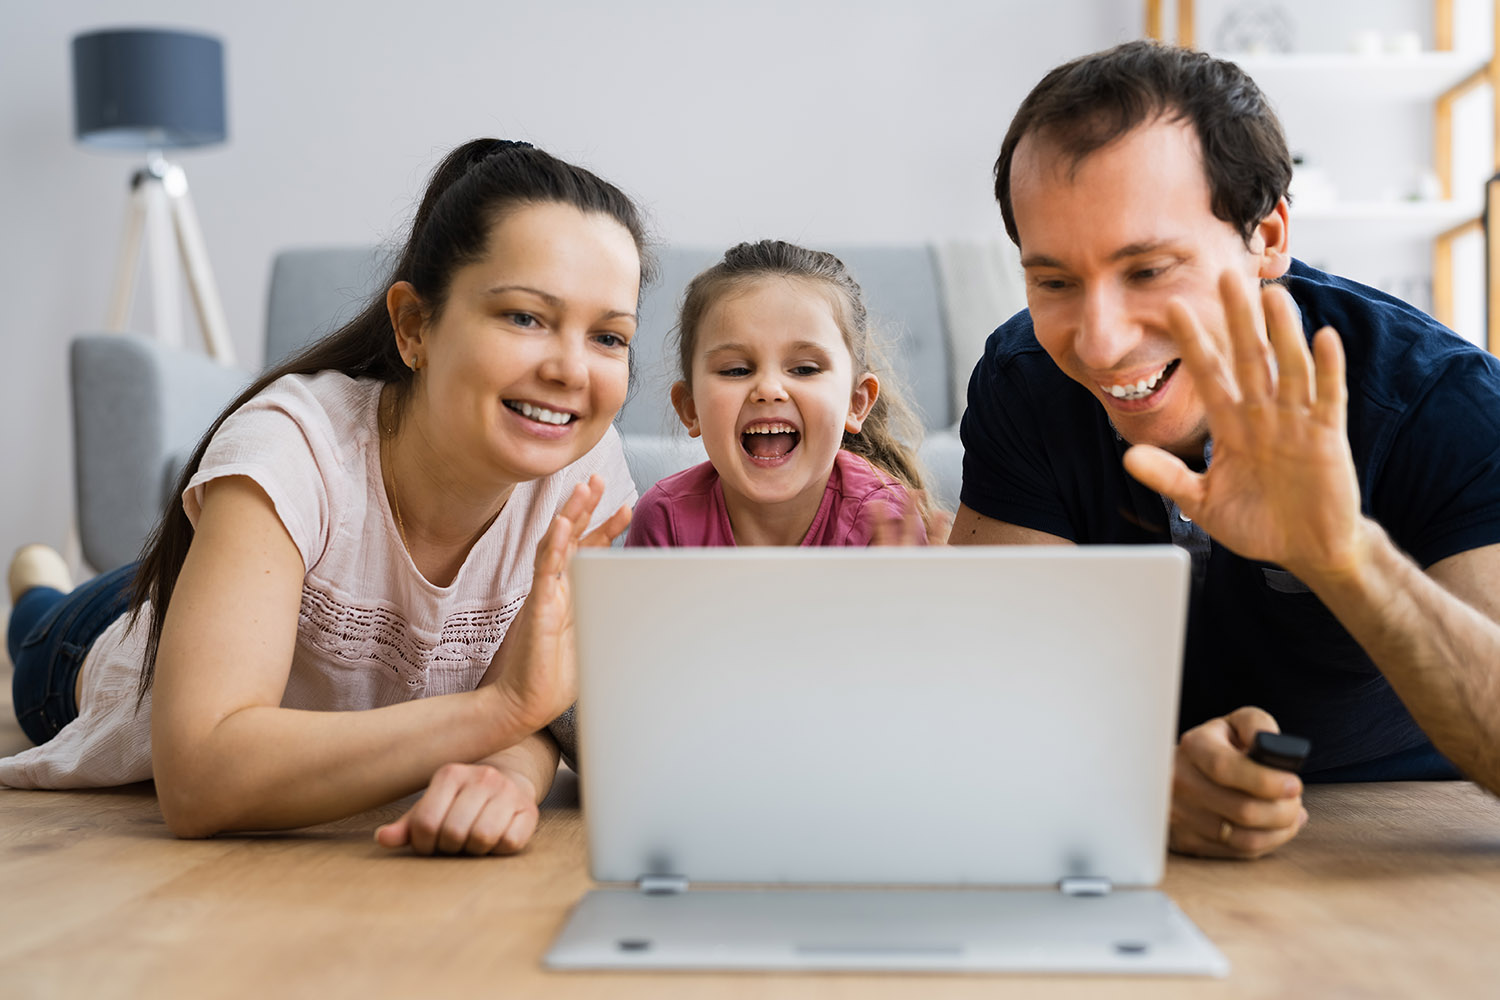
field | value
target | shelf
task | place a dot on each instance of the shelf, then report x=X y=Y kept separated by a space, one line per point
x=1387 y=219
x=1364 y=93
x=1346 y=76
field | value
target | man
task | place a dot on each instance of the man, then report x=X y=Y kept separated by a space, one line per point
x=1159 y=387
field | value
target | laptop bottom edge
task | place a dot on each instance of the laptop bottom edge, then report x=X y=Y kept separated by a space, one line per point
x=1127 y=931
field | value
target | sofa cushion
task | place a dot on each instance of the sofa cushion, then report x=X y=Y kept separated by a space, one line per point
x=139 y=408
x=316 y=290
x=654 y=457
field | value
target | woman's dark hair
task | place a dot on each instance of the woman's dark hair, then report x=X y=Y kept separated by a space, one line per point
x=1088 y=103
x=474 y=187
x=890 y=432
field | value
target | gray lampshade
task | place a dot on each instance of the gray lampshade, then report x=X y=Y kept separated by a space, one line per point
x=148 y=89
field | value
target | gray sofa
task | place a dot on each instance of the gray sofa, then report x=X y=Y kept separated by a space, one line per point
x=139 y=407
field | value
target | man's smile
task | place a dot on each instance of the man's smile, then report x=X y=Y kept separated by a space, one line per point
x=1144 y=387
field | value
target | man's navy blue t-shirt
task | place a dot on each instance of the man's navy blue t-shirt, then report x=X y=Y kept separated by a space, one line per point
x=1424 y=428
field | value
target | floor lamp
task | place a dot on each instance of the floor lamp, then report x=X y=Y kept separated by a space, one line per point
x=150 y=91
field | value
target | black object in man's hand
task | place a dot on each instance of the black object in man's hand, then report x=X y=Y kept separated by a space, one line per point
x=1280 y=750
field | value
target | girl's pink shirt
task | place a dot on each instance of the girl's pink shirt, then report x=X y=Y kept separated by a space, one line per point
x=687 y=510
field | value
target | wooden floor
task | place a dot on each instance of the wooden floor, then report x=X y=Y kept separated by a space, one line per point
x=1392 y=891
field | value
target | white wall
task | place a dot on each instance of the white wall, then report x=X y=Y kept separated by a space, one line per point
x=821 y=121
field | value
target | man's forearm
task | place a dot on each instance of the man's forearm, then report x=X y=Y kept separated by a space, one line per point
x=1440 y=654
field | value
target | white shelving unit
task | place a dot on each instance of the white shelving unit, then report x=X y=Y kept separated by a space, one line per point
x=1348 y=79
x=1382 y=219
x=1397 y=219
x=1432 y=81
x=1421 y=77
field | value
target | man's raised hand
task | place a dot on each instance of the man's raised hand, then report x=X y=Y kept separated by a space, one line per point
x=1281 y=486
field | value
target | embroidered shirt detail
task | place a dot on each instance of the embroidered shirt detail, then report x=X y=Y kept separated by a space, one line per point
x=357 y=634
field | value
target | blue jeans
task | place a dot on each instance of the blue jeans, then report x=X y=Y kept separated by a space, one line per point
x=50 y=634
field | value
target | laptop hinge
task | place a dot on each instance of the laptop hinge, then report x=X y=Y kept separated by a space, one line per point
x=1085 y=885
x=662 y=885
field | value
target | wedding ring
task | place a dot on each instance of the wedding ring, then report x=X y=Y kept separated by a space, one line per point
x=1226 y=830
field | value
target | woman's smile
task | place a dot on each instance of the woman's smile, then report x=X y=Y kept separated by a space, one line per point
x=548 y=422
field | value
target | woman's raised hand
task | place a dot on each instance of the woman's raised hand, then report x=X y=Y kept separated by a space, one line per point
x=536 y=668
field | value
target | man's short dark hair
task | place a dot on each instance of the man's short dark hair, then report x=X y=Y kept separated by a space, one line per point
x=1090 y=102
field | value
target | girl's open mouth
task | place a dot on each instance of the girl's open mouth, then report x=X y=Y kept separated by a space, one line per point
x=770 y=441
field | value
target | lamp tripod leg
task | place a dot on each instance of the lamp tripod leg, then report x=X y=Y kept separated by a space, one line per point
x=200 y=275
x=128 y=261
x=166 y=281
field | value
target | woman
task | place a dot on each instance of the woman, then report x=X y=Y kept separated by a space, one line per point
x=382 y=522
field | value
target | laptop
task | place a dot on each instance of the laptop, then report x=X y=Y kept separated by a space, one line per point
x=869 y=759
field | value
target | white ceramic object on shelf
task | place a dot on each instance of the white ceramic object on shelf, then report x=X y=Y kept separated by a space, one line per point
x=1311 y=187
x=1404 y=43
x=1367 y=42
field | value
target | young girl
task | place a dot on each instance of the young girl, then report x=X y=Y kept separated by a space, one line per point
x=776 y=364
x=382 y=522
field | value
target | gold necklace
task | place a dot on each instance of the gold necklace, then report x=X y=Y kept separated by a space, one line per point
x=396 y=503
x=395 y=499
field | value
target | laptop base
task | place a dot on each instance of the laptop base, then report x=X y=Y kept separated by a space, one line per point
x=1129 y=931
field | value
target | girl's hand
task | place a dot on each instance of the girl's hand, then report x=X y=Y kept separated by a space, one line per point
x=467 y=809
x=536 y=669
x=939 y=526
x=904 y=525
